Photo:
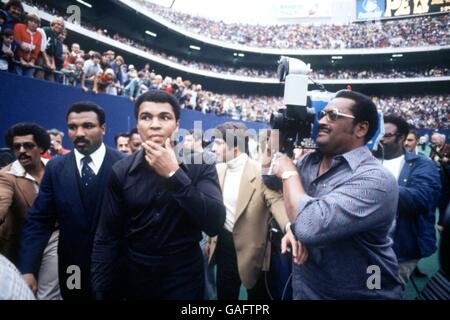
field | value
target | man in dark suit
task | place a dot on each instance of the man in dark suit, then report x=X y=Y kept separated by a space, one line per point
x=70 y=195
x=147 y=242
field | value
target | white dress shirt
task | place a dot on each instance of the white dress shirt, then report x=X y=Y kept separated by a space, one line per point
x=97 y=159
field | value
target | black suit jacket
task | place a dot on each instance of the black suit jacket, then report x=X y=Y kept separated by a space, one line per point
x=60 y=201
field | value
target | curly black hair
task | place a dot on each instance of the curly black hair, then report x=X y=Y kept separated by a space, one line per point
x=40 y=135
x=86 y=106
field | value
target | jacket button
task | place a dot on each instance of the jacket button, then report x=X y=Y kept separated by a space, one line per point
x=404 y=180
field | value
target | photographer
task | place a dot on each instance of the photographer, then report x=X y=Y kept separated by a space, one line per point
x=56 y=148
x=440 y=154
x=342 y=205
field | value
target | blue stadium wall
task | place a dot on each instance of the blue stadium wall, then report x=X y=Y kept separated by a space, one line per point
x=24 y=99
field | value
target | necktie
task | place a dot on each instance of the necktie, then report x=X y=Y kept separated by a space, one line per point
x=87 y=174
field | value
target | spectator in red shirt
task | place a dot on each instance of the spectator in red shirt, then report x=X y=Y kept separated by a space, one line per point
x=29 y=42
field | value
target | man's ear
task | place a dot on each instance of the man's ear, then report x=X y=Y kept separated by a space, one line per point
x=361 y=129
x=235 y=151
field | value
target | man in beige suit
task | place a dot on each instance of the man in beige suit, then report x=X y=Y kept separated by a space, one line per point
x=242 y=249
x=19 y=185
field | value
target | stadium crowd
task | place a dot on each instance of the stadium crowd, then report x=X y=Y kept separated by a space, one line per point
x=152 y=217
x=110 y=74
x=411 y=32
x=419 y=71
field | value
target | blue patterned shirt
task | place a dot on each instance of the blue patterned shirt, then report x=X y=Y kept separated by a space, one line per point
x=344 y=220
x=12 y=285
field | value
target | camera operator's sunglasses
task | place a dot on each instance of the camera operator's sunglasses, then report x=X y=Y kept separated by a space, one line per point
x=333 y=115
x=26 y=145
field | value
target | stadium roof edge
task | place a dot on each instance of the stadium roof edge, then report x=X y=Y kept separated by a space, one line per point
x=274 y=51
x=271 y=81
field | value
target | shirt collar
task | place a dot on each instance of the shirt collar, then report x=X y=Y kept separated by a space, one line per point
x=97 y=156
x=356 y=156
x=238 y=162
x=19 y=171
x=353 y=157
x=410 y=156
x=138 y=159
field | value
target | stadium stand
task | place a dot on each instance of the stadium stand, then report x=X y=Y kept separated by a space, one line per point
x=422 y=111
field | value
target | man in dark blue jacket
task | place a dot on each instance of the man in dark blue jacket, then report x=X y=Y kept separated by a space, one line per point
x=70 y=197
x=419 y=186
x=153 y=215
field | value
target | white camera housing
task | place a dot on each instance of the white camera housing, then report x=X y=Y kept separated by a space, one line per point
x=297 y=66
x=294 y=73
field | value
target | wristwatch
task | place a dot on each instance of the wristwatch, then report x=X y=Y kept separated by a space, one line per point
x=287 y=174
x=287 y=227
x=171 y=173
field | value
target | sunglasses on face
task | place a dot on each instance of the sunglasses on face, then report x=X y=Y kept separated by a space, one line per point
x=390 y=134
x=333 y=115
x=25 y=145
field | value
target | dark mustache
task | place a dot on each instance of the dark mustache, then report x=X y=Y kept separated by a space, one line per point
x=24 y=157
x=80 y=140
x=324 y=126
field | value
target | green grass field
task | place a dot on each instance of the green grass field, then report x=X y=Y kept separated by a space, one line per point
x=428 y=266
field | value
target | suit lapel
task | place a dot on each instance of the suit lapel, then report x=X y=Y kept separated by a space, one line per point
x=221 y=171
x=27 y=190
x=246 y=189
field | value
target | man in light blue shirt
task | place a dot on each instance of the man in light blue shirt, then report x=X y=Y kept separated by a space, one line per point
x=12 y=285
x=342 y=205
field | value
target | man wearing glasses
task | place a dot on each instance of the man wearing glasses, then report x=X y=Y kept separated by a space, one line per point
x=19 y=185
x=418 y=185
x=342 y=204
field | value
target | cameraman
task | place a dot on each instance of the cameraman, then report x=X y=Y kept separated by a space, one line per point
x=342 y=205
